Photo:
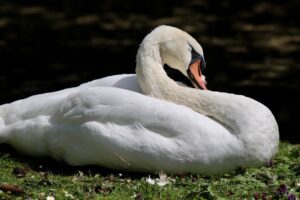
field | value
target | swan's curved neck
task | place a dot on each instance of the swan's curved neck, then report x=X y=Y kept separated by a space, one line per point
x=154 y=82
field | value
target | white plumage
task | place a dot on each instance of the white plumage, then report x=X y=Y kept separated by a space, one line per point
x=144 y=122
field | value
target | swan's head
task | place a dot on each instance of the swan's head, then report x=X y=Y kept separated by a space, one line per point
x=181 y=51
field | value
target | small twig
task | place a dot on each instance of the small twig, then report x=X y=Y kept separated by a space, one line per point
x=122 y=159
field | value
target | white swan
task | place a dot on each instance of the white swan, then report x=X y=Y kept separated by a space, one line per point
x=169 y=127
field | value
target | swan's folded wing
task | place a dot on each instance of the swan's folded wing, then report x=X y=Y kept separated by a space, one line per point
x=127 y=108
x=120 y=107
x=112 y=120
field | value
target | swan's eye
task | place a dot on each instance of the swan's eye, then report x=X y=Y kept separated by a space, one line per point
x=196 y=56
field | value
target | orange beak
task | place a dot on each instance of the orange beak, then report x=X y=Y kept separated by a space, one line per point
x=195 y=75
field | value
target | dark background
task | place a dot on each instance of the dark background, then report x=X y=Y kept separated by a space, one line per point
x=251 y=47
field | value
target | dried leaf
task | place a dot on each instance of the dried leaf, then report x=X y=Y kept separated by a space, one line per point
x=11 y=188
x=19 y=172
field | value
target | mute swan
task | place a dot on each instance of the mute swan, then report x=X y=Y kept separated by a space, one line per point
x=108 y=122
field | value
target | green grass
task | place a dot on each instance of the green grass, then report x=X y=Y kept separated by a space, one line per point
x=40 y=178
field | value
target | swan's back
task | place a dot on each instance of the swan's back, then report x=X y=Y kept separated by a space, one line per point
x=47 y=103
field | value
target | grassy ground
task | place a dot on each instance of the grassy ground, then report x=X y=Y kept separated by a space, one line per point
x=23 y=177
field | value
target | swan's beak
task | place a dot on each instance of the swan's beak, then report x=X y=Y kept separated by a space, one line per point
x=196 y=76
